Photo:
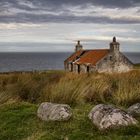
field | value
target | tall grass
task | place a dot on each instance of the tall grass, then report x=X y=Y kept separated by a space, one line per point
x=26 y=86
x=128 y=89
x=69 y=89
x=62 y=87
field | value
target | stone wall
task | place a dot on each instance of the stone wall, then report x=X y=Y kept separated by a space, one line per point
x=114 y=63
x=65 y=66
x=75 y=68
x=83 y=68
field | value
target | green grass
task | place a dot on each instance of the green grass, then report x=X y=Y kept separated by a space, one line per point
x=18 y=121
x=20 y=94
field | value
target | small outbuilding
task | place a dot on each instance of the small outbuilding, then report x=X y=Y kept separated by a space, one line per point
x=98 y=60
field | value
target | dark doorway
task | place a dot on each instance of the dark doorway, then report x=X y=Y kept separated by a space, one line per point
x=78 y=68
x=87 y=69
x=71 y=67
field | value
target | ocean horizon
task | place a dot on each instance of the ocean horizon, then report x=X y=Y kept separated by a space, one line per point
x=39 y=61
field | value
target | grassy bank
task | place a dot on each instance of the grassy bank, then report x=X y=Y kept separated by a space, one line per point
x=19 y=122
x=60 y=87
x=21 y=93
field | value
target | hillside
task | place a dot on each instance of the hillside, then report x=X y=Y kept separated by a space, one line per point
x=21 y=93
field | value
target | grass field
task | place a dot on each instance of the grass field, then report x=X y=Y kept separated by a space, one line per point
x=21 y=93
x=19 y=122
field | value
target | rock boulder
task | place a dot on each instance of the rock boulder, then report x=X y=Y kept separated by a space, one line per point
x=54 y=112
x=108 y=116
x=134 y=110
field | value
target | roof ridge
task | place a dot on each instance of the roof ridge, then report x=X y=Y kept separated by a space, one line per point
x=95 y=49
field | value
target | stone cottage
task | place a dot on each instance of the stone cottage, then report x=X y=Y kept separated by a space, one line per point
x=100 y=60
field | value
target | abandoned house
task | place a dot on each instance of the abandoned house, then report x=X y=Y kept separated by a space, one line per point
x=100 y=60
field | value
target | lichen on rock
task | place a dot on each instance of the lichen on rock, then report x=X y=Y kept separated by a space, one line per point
x=134 y=110
x=54 y=112
x=108 y=116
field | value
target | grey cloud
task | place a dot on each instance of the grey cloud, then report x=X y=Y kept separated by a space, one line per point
x=61 y=5
x=104 y=3
x=62 y=18
x=58 y=3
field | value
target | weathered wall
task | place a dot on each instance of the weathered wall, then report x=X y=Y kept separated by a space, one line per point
x=66 y=66
x=114 y=62
x=75 y=68
x=83 y=68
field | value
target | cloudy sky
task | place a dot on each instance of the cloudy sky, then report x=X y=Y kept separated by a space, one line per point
x=55 y=25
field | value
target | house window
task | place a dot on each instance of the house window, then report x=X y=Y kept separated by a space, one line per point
x=110 y=57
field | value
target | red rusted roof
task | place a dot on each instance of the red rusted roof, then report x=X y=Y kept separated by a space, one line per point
x=92 y=56
x=75 y=55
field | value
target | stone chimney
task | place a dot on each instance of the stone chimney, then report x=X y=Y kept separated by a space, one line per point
x=114 y=46
x=78 y=47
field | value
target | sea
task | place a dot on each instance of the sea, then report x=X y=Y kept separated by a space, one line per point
x=33 y=61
